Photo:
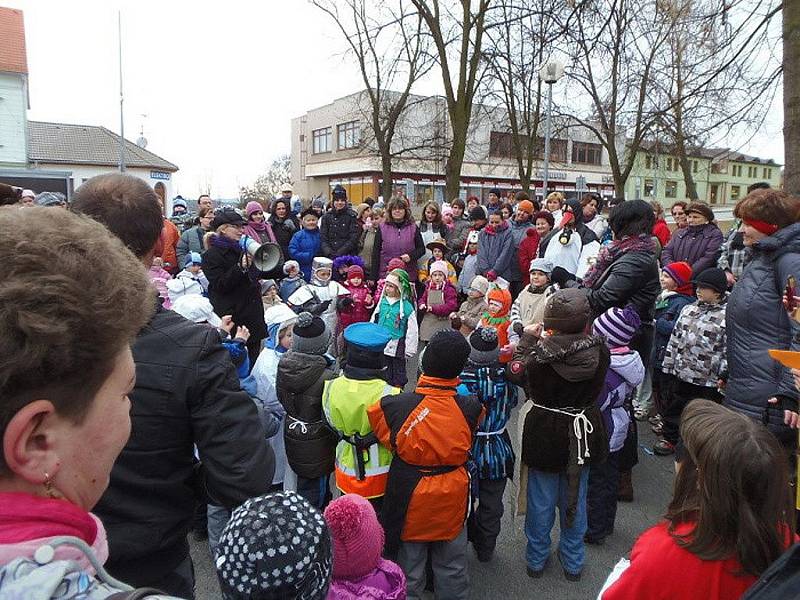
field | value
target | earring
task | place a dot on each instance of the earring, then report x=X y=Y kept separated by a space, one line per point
x=48 y=486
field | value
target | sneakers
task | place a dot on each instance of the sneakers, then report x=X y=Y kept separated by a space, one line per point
x=663 y=448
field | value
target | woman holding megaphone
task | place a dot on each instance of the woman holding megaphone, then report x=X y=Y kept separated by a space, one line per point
x=233 y=286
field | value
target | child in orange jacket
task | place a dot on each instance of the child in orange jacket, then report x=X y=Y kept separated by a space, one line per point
x=497 y=317
x=430 y=431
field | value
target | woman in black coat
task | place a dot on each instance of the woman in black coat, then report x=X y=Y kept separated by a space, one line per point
x=626 y=272
x=233 y=287
x=284 y=224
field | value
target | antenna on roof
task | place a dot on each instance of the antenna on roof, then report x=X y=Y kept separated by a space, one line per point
x=142 y=141
x=121 y=99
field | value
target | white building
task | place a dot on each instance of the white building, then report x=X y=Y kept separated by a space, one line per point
x=58 y=157
x=331 y=145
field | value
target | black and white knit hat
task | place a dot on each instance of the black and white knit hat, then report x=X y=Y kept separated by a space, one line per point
x=483 y=346
x=275 y=546
x=310 y=334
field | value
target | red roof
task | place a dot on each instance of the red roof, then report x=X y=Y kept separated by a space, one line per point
x=13 y=58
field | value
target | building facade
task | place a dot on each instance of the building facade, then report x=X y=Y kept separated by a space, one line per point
x=331 y=145
x=721 y=176
x=58 y=157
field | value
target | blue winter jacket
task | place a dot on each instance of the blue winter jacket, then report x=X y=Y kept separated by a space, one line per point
x=496 y=252
x=303 y=247
x=755 y=321
x=667 y=311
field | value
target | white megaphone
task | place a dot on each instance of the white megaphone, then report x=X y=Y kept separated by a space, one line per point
x=265 y=256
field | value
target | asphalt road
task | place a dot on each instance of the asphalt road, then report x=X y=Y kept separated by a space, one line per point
x=505 y=577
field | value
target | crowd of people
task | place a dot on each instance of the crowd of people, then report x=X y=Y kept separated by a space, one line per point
x=159 y=378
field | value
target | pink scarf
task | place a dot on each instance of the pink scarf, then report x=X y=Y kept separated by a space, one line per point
x=256 y=231
x=28 y=522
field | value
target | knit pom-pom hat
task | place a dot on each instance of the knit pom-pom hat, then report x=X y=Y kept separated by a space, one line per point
x=483 y=346
x=617 y=325
x=310 y=335
x=356 y=534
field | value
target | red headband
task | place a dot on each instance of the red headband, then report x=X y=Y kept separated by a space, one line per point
x=762 y=226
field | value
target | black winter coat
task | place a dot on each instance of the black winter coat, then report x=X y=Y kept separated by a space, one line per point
x=187 y=393
x=283 y=231
x=310 y=442
x=339 y=233
x=234 y=292
x=631 y=279
x=756 y=321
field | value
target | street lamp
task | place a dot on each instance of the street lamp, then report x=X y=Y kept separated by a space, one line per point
x=549 y=73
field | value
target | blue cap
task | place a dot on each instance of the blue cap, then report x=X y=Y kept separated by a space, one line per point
x=369 y=336
x=193 y=258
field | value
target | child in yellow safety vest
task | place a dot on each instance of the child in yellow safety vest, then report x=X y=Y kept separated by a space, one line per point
x=362 y=464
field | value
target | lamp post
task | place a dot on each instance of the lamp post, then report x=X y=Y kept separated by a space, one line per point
x=550 y=72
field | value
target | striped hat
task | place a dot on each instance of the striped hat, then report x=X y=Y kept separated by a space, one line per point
x=617 y=325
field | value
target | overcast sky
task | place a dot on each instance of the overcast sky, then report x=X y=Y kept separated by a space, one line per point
x=218 y=81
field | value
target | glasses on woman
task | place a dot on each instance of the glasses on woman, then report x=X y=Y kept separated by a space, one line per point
x=676 y=213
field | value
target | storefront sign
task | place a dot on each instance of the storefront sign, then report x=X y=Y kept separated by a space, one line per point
x=160 y=175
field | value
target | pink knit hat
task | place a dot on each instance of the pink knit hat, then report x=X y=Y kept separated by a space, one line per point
x=357 y=536
x=438 y=265
x=252 y=207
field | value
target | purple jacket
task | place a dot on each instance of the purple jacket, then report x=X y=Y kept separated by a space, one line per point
x=450 y=300
x=386 y=582
x=391 y=242
x=697 y=245
x=624 y=375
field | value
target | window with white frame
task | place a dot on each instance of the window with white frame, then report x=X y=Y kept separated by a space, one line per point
x=322 y=140
x=349 y=135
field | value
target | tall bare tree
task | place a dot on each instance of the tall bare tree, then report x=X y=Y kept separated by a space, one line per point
x=791 y=96
x=457 y=33
x=515 y=47
x=720 y=75
x=268 y=185
x=384 y=38
x=613 y=46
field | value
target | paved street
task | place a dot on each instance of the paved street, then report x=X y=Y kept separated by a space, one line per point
x=504 y=577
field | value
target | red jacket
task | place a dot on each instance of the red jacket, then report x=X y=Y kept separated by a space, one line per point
x=661 y=570
x=527 y=251
x=662 y=232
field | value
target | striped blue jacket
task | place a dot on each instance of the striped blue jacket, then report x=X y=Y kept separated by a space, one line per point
x=492 y=451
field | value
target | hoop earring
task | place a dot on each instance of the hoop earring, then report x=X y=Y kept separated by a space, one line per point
x=48 y=486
